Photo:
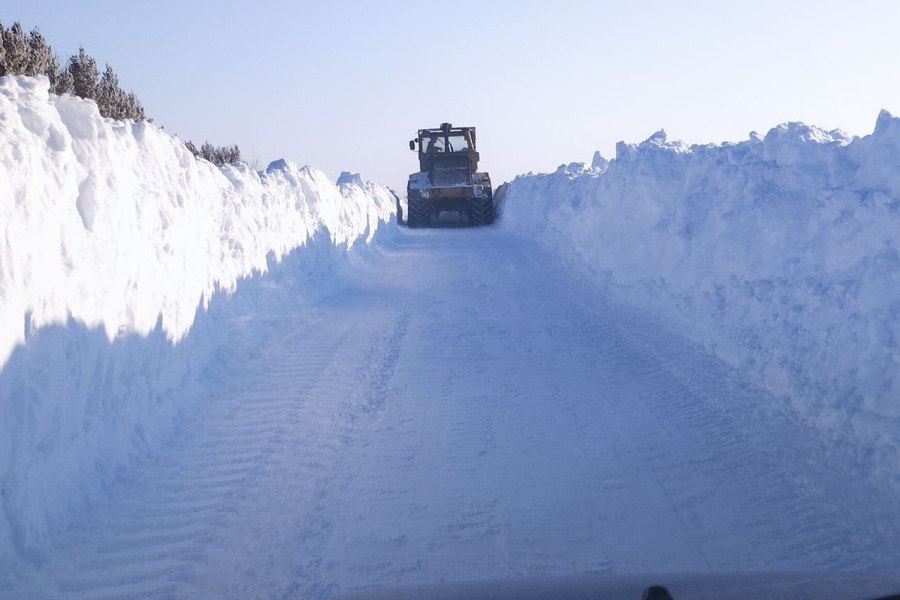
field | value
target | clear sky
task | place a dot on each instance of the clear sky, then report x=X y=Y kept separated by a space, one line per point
x=343 y=85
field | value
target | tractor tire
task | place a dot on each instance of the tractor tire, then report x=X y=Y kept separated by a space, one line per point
x=418 y=213
x=481 y=211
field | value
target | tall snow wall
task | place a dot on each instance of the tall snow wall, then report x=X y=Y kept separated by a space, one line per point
x=779 y=254
x=120 y=255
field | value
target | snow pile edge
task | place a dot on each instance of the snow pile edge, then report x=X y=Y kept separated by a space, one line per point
x=120 y=256
x=779 y=254
x=116 y=223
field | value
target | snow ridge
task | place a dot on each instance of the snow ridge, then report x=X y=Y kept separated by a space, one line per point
x=778 y=253
x=116 y=223
x=115 y=247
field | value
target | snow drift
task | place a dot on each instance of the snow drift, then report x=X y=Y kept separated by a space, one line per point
x=117 y=224
x=778 y=253
x=114 y=241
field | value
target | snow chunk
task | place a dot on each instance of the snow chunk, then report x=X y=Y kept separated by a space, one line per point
x=348 y=178
x=598 y=162
x=282 y=164
x=657 y=141
x=885 y=123
x=788 y=132
x=658 y=138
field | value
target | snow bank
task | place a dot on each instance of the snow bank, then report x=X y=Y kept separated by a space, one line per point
x=116 y=224
x=778 y=253
x=114 y=240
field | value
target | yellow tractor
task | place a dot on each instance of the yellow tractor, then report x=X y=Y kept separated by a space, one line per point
x=448 y=180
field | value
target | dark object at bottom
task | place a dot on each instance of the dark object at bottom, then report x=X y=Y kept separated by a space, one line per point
x=656 y=592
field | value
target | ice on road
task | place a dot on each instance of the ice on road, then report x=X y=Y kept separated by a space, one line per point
x=465 y=408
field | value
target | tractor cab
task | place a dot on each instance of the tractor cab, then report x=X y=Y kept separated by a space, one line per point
x=447 y=148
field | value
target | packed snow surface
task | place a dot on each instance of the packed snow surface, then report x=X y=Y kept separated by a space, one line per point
x=115 y=226
x=779 y=253
x=463 y=407
x=217 y=383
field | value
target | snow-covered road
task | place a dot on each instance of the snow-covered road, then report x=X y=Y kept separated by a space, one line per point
x=466 y=408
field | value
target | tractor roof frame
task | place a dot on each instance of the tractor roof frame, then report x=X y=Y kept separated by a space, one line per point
x=449 y=131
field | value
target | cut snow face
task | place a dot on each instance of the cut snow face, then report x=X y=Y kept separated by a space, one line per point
x=112 y=236
x=116 y=224
x=780 y=254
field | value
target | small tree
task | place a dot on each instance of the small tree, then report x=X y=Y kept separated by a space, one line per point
x=113 y=102
x=2 y=51
x=232 y=154
x=16 y=52
x=39 y=55
x=83 y=69
x=217 y=155
x=208 y=151
x=61 y=81
x=110 y=97
x=133 y=108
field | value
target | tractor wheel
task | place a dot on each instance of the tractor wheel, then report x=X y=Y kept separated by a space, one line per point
x=481 y=211
x=419 y=213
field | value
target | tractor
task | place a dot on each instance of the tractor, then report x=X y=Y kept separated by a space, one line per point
x=448 y=179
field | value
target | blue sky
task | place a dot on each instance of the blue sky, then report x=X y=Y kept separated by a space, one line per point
x=344 y=85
